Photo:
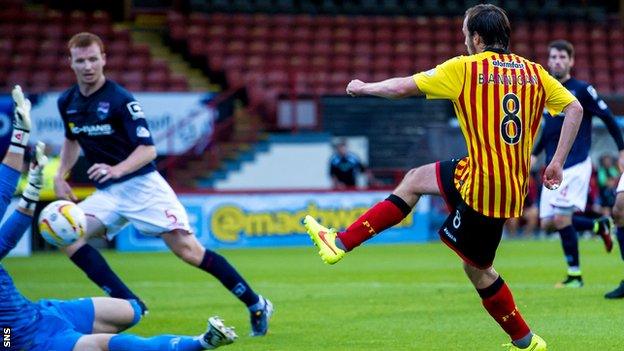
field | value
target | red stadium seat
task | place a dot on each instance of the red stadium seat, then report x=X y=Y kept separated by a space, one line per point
x=216 y=32
x=138 y=63
x=27 y=46
x=156 y=78
x=199 y=19
x=197 y=47
x=178 y=83
x=259 y=34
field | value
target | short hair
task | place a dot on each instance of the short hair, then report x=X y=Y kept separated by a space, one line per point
x=83 y=40
x=562 y=45
x=491 y=23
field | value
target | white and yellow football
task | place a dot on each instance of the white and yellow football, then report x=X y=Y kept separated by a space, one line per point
x=62 y=222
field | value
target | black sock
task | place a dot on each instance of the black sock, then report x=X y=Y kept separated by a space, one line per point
x=95 y=267
x=620 y=238
x=582 y=223
x=569 y=242
x=221 y=269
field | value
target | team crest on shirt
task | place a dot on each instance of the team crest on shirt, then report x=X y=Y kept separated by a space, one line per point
x=102 y=109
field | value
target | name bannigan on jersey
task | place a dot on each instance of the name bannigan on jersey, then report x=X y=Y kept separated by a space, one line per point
x=499 y=100
x=108 y=124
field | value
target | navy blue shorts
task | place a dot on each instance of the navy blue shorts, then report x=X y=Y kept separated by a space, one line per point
x=472 y=235
x=63 y=322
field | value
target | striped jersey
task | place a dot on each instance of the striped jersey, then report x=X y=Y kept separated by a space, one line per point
x=499 y=100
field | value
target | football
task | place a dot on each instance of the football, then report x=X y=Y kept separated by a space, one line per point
x=62 y=222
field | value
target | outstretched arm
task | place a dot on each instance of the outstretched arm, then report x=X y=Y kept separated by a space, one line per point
x=13 y=160
x=15 y=226
x=393 y=88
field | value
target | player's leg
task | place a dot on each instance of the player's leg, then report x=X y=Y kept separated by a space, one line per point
x=100 y=215
x=478 y=251
x=161 y=213
x=216 y=335
x=383 y=215
x=186 y=246
x=618 y=216
x=602 y=227
x=569 y=244
x=499 y=302
x=113 y=315
x=570 y=197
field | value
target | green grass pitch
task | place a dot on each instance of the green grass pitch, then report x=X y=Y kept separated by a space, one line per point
x=398 y=297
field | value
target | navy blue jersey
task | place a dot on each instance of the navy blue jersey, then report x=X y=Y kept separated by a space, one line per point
x=345 y=168
x=108 y=124
x=592 y=106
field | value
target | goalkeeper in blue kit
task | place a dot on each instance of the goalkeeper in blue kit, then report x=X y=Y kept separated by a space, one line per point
x=88 y=324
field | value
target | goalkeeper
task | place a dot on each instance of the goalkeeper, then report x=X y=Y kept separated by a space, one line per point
x=89 y=324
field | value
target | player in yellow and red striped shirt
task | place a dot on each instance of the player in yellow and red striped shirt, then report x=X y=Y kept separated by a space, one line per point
x=498 y=98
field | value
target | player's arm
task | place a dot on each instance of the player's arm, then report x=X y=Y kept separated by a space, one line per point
x=559 y=99
x=137 y=131
x=599 y=108
x=445 y=81
x=11 y=166
x=553 y=175
x=142 y=155
x=69 y=156
x=393 y=88
x=15 y=226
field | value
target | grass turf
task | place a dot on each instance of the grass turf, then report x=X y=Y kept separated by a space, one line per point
x=398 y=297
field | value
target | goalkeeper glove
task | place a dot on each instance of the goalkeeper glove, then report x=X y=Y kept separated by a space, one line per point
x=21 y=121
x=30 y=195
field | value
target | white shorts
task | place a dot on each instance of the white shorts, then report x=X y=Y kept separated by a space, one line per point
x=571 y=194
x=146 y=201
x=620 y=186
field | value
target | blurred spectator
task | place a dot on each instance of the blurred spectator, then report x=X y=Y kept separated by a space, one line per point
x=529 y=221
x=608 y=176
x=344 y=167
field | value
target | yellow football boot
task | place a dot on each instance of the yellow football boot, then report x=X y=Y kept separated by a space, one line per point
x=324 y=239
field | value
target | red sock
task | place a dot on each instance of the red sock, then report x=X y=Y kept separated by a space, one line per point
x=499 y=303
x=382 y=216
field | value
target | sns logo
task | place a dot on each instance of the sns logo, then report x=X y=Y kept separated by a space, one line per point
x=6 y=337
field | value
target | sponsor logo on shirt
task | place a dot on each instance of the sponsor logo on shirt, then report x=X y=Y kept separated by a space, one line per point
x=503 y=64
x=142 y=132
x=102 y=109
x=92 y=130
x=135 y=110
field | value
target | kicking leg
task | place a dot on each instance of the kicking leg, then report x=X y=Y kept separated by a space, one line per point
x=186 y=246
x=383 y=215
x=93 y=264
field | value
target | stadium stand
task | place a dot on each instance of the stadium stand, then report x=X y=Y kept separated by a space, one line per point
x=292 y=55
x=33 y=51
